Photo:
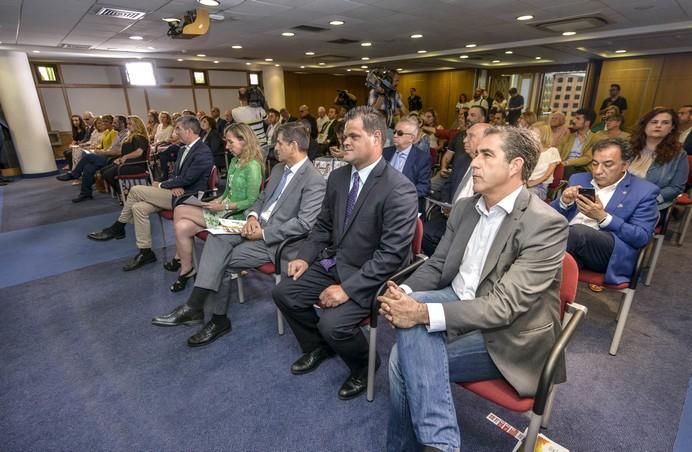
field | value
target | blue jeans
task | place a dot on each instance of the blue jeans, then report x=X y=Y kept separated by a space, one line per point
x=86 y=169
x=421 y=366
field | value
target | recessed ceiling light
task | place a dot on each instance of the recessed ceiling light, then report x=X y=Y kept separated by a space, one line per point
x=136 y=38
x=463 y=57
x=180 y=59
x=287 y=34
x=236 y=47
x=538 y=58
x=569 y=33
x=310 y=53
x=151 y=48
x=416 y=36
x=422 y=51
x=201 y=55
x=36 y=51
x=277 y=65
x=366 y=44
x=363 y=67
x=322 y=64
x=526 y=17
x=621 y=51
x=302 y=67
x=365 y=58
x=171 y=19
x=216 y=61
x=471 y=46
x=248 y=63
x=336 y=22
x=496 y=61
x=208 y=2
x=269 y=60
x=509 y=52
x=348 y=70
x=399 y=69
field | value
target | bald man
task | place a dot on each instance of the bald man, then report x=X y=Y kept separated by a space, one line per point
x=305 y=114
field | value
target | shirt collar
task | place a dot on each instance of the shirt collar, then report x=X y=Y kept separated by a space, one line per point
x=506 y=204
x=594 y=184
x=365 y=172
x=189 y=146
x=294 y=169
x=404 y=151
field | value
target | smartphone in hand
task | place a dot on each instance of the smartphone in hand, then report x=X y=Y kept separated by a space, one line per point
x=589 y=193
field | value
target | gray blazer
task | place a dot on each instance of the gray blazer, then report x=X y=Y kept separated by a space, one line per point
x=297 y=208
x=517 y=304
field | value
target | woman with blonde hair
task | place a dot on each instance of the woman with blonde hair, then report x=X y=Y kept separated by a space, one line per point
x=527 y=119
x=542 y=175
x=152 y=124
x=242 y=188
x=133 y=153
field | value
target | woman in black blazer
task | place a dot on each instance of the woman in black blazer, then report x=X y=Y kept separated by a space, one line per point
x=213 y=139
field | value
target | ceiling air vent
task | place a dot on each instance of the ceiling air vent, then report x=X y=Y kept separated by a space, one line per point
x=309 y=28
x=120 y=13
x=574 y=24
x=333 y=58
x=342 y=41
x=75 y=46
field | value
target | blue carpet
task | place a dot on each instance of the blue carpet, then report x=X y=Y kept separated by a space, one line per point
x=683 y=442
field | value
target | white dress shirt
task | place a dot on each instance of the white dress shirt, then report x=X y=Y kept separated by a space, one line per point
x=187 y=151
x=467 y=190
x=399 y=158
x=604 y=194
x=363 y=175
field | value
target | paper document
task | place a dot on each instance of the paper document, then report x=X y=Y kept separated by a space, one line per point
x=227 y=226
x=193 y=201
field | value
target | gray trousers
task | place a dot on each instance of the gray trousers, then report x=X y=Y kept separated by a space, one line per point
x=222 y=256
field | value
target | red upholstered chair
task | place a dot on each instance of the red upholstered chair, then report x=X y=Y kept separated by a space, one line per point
x=371 y=320
x=628 y=289
x=557 y=184
x=539 y=407
x=127 y=181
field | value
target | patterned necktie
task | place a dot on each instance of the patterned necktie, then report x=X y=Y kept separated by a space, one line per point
x=400 y=162
x=329 y=262
x=277 y=191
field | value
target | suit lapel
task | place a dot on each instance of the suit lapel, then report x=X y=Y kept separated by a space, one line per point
x=619 y=196
x=461 y=185
x=271 y=185
x=408 y=165
x=188 y=156
x=469 y=219
x=289 y=186
x=373 y=179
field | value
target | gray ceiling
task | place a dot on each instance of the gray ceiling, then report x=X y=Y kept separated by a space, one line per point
x=639 y=26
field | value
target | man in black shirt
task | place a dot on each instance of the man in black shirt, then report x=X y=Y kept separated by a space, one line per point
x=414 y=101
x=614 y=99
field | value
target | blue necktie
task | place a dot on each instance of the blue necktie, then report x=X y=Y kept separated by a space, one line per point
x=400 y=162
x=279 y=188
x=329 y=262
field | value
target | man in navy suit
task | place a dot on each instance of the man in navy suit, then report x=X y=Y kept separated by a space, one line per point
x=362 y=236
x=409 y=160
x=192 y=170
x=606 y=234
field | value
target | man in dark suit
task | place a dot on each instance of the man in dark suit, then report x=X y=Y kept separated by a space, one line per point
x=287 y=207
x=362 y=235
x=220 y=122
x=409 y=160
x=192 y=170
x=606 y=233
x=485 y=305
x=304 y=112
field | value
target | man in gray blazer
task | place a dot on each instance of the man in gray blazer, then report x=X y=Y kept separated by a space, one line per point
x=287 y=207
x=485 y=305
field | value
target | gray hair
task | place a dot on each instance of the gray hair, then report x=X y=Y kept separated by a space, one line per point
x=413 y=122
x=295 y=131
x=189 y=122
x=626 y=151
x=372 y=119
x=521 y=143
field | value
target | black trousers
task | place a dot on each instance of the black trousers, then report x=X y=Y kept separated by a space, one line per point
x=337 y=328
x=165 y=158
x=590 y=248
x=433 y=230
x=109 y=172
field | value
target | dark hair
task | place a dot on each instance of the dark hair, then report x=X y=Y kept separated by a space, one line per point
x=211 y=121
x=295 y=131
x=666 y=149
x=273 y=110
x=154 y=114
x=80 y=128
x=466 y=98
x=615 y=85
x=242 y=94
x=339 y=127
x=372 y=119
x=626 y=151
x=107 y=118
x=512 y=91
x=483 y=111
x=502 y=112
x=121 y=119
x=587 y=113
x=499 y=95
x=190 y=122
x=518 y=143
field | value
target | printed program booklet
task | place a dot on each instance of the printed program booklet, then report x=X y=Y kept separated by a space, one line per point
x=543 y=443
x=227 y=226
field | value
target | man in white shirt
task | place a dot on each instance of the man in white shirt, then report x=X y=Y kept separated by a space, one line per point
x=252 y=116
x=322 y=117
x=464 y=314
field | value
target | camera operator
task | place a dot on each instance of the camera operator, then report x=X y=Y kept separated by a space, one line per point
x=388 y=101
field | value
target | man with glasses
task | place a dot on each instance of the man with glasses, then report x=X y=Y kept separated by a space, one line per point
x=409 y=160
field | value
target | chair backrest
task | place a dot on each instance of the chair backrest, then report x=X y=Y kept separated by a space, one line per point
x=417 y=243
x=213 y=178
x=558 y=174
x=689 y=174
x=570 y=279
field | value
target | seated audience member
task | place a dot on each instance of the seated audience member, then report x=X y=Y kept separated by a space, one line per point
x=273 y=119
x=478 y=100
x=548 y=160
x=252 y=116
x=409 y=160
x=685 y=116
x=498 y=118
x=79 y=131
x=314 y=150
x=526 y=120
x=600 y=126
x=326 y=137
x=559 y=130
x=576 y=150
x=464 y=314
x=213 y=139
x=286 y=116
x=152 y=125
x=362 y=235
x=242 y=187
x=337 y=151
x=458 y=186
x=191 y=176
x=228 y=117
x=659 y=157
x=134 y=148
x=164 y=129
x=463 y=104
x=304 y=112
x=499 y=103
x=165 y=154
x=605 y=234
x=429 y=127
x=321 y=118
x=89 y=121
x=613 y=128
x=287 y=207
x=221 y=123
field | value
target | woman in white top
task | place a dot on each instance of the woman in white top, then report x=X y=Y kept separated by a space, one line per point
x=164 y=129
x=542 y=175
x=430 y=126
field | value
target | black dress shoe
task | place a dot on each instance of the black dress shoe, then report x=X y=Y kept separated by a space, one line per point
x=142 y=258
x=181 y=282
x=182 y=315
x=356 y=383
x=173 y=265
x=311 y=361
x=82 y=197
x=209 y=333
x=65 y=177
x=107 y=234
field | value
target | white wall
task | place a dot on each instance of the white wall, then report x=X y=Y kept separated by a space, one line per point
x=99 y=101
x=56 y=109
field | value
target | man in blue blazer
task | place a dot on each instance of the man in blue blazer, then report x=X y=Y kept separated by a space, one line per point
x=605 y=234
x=409 y=160
x=192 y=170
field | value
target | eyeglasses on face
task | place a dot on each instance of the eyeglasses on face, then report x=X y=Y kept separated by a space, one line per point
x=400 y=133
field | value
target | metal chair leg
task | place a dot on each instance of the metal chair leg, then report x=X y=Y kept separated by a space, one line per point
x=241 y=290
x=532 y=433
x=547 y=411
x=624 y=311
x=372 y=362
x=279 y=315
x=685 y=224
x=657 y=245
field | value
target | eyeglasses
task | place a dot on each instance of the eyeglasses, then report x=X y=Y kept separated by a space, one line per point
x=400 y=133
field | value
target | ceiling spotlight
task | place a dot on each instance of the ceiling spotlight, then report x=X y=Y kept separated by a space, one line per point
x=336 y=22
x=36 y=51
x=509 y=52
x=302 y=67
x=365 y=58
x=621 y=51
x=348 y=70
x=136 y=38
x=538 y=58
x=236 y=47
x=269 y=60
x=416 y=36
x=363 y=67
x=216 y=61
x=422 y=51
x=201 y=55
x=366 y=44
x=309 y=53
x=180 y=59
x=288 y=34
x=248 y=63
x=463 y=57
x=526 y=17
x=569 y=33
x=399 y=69
x=471 y=46
x=322 y=64
x=496 y=61
x=277 y=65
x=151 y=48
x=209 y=2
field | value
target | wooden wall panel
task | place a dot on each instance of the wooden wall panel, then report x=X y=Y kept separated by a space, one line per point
x=675 y=85
x=439 y=90
x=314 y=90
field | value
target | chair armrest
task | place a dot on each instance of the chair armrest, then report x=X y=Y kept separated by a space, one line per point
x=546 y=380
x=284 y=244
x=397 y=277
